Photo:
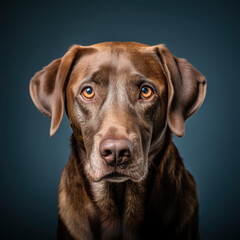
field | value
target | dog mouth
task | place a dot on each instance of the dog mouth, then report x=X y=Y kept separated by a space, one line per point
x=115 y=177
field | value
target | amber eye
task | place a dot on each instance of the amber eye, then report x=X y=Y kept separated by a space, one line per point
x=88 y=93
x=146 y=92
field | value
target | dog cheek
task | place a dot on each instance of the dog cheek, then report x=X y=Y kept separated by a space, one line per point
x=145 y=138
x=159 y=121
x=139 y=170
x=139 y=166
x=94 y=164
x=83 y=125
x=81 y=114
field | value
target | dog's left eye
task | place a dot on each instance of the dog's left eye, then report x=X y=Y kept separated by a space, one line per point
x=88 y=93
x=146 y=92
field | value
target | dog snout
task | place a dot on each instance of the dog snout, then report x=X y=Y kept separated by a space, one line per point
x=116 y=152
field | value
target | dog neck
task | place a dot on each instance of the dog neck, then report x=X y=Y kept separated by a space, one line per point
x=118 y=205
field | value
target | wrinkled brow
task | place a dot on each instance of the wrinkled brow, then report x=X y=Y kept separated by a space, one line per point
x=138 y=79
x=99 y=77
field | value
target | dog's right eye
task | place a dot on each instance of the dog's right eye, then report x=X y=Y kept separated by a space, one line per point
x=88 y=93
x=146 y=92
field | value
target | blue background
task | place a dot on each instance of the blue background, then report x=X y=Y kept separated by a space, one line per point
x=33 y=33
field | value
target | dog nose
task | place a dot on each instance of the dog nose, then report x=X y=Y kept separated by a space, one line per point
x=116 y=151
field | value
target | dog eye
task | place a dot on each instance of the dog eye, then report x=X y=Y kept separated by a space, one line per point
x=88 y=93
x=146 y=92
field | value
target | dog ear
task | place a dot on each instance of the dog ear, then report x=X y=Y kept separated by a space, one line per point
x=47 y=87
x=186 y=89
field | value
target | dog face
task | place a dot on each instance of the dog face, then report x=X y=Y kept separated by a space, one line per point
x=114 y=105
x=120 y=98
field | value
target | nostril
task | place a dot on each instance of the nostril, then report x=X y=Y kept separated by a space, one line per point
x=115 y=151
x=106 y=153
x=124 y=153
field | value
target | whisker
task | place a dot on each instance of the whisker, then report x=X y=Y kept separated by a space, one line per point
x=81 y=163
x=154 y=166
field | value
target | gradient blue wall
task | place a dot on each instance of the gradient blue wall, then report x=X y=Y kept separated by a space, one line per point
x=33 y=33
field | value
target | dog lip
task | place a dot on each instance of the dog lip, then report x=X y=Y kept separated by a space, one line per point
x=115 y=176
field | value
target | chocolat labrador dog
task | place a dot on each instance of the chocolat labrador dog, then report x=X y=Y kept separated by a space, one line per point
x=125 y=178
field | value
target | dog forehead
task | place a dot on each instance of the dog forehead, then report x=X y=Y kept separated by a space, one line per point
x=117 y=59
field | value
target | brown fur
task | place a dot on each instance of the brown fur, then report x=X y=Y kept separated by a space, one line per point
x=157 y=197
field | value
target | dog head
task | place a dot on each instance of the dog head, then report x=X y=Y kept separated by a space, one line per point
x=120 y=98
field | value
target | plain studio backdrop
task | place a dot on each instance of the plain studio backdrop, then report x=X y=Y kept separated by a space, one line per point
x=33 y=33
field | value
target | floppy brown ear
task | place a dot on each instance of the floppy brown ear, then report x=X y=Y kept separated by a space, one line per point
x=186 y=89
x=47 y=87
